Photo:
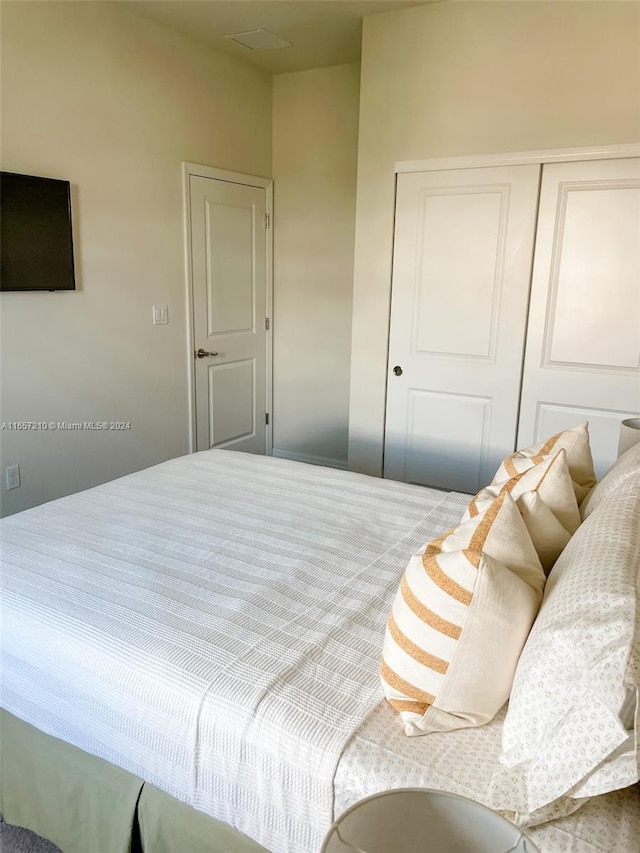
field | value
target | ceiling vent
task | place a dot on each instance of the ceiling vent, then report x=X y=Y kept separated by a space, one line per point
x=259 y=40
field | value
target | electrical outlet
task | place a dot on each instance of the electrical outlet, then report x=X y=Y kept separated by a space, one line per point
x=12 y=474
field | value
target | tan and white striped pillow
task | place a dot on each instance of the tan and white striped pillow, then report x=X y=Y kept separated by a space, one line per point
x=459 y=621
x=550 y=478
x=579 y=459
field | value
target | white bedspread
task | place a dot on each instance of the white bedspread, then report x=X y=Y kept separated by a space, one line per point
x=213 y=625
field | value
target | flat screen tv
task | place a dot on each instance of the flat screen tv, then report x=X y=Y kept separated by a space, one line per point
x=36 y=240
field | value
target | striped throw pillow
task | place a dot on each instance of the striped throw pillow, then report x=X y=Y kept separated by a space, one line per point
x=579 y=459
x=459 y=620
x=551 y=480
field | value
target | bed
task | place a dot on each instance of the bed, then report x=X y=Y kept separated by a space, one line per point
x=195 y=648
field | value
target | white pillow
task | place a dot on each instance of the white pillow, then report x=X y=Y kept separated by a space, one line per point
x=627 y=465
x=549 y=537
x=573 y=724
x=459 y=621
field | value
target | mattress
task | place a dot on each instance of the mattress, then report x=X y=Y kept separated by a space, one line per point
x=213 y=626
x=380 y=757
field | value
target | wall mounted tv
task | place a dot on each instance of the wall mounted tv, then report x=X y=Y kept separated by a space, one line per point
x=36 y=240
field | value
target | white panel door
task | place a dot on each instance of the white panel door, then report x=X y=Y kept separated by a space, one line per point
x=583 y=341
x=461 y=272
x=228 y=259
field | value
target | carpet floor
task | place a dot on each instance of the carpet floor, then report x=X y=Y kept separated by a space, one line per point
x=13 y=839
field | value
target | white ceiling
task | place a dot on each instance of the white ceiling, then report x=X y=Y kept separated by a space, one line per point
x=321 y=32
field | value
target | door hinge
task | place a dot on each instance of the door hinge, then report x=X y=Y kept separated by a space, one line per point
x=267 y=324
x=267 y=220
x=266 y=418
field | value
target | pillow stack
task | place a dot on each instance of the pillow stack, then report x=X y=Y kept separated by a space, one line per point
x=548 y=481
x=459 y=621
x=467 y=602
x=572 y=730
x=456 y=645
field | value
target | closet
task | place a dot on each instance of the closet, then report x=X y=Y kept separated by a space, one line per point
x=515 y=313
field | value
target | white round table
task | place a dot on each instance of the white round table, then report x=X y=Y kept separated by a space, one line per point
x=422 y=820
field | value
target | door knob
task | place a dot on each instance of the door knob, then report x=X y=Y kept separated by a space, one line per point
x=202 y=353
x=397 y=370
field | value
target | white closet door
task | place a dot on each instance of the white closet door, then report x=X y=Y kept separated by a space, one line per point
x=461 y=272
x=583 y=342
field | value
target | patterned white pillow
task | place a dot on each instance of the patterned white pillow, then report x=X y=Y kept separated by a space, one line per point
x=550 y=478
x=573 y=725
x=459 y=621
x=627 y=465
x=576 y=443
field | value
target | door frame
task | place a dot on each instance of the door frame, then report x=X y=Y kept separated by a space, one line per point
x=521 y=158
x=198 y=170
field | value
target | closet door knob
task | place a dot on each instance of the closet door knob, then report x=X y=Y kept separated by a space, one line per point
x=397 y=370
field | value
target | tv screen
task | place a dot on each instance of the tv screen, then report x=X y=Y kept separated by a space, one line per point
x=36 y=242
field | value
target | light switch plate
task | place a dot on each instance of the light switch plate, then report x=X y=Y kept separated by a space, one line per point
x=160 y=315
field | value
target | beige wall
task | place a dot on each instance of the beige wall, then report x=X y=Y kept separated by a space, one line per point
x=98 y=95
x=471 y=78
x=315 y=133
